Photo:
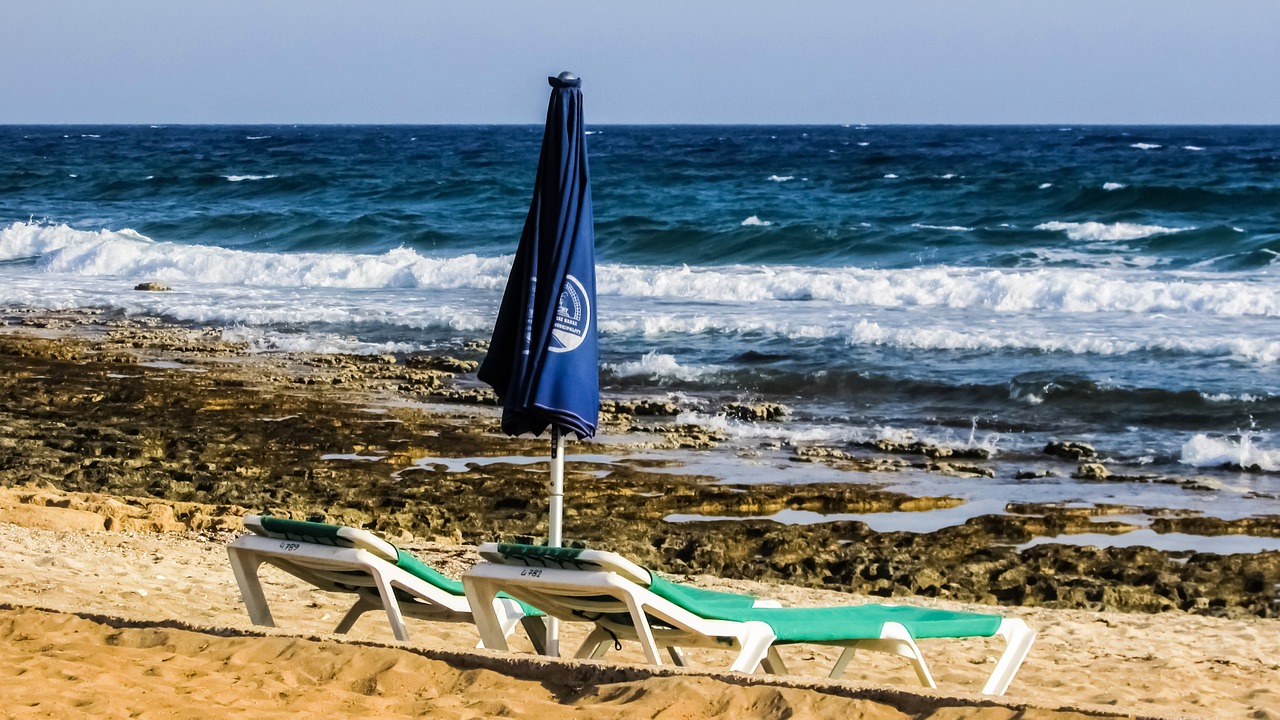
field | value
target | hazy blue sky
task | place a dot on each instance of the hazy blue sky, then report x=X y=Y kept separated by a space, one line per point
x=825 y=61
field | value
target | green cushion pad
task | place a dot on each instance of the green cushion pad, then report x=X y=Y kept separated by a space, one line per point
x=859 y=622
x=697 y=599
x=422 y=571
x=817 y=625
x=541 y=554
x=304 y=531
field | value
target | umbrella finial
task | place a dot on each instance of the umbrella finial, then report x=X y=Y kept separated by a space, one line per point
x=565 y=79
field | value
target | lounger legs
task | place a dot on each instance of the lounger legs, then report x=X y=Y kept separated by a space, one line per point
x=894 y=639
x=244 y=565
x=390 y=605
x=1019 y=638
x=496 y=618
x=757 y=649
x=361 y=607
x=480 y=596
x=773 y=663
x=677 y=656
x=643 y=631
x=756 y=640
x=595 y=646
x=536 y=629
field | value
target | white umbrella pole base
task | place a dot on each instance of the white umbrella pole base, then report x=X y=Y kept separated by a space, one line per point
x=555 y=524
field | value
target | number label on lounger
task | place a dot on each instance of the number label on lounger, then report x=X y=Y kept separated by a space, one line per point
x=531 y=572
x=289 y=546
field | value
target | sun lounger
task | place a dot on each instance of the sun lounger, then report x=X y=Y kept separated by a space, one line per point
x=626 y=601
x=381 y=576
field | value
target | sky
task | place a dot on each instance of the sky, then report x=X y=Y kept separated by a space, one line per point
x=648 y=61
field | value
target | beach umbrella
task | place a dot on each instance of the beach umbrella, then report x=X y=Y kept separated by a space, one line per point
x=543 y=361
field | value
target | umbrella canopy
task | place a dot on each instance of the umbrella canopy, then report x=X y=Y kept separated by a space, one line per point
x=543 y=360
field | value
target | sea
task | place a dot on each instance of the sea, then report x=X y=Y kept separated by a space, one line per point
x=1000 y=287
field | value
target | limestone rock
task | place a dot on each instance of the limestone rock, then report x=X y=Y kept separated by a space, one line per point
x=755 y=412
x=1092 y=471
x=1070 y=450
x=646 y=407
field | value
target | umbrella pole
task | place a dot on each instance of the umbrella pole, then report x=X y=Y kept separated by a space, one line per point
x=554 y=527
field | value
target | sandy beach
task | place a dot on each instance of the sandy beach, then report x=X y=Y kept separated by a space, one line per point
x=131 y=453
x=148 y=624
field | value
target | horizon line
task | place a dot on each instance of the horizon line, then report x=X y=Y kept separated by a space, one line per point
x=161 y=125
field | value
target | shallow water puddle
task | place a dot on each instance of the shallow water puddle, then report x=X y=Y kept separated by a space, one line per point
x=1168 y=542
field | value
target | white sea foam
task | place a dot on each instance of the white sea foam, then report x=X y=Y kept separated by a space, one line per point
x=890 y=176
x=1145 y=146
x=126 y=253
x=1114 y=186
x=241 y=178
x=863 y=144
x=1103 y=255
x=260 y=340
x=1258 y=350
x=781 y=178
x=223 y=275
x=1096 y=231
x=755 y=221
x=256 y=137
x=1018 y=337
x=1204 y=451
x=1046 y=186
x=953 y=228
x=659 y=366
x=1227 y=397
x=1193 y=148
x=30 y=239
x=949 y=176
x=788 y=432
x=831 y=433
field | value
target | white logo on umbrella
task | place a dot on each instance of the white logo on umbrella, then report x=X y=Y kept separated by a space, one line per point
x=573 y=317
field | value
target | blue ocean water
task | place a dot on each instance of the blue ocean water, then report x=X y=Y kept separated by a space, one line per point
x=996 y=286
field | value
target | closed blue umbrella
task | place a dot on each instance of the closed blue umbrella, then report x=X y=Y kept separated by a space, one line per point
x=543 y=361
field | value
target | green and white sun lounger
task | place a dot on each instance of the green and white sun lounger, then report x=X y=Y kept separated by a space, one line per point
x=626 y=601
x=381 y=576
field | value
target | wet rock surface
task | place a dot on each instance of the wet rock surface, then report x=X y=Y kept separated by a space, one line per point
x=411 y=447
x=1071 y=450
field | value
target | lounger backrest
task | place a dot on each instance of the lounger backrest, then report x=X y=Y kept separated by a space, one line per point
x=321 y=534
x=349 y=537
x=565 y=558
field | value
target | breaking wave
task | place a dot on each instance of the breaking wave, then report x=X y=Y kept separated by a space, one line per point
x=126 y=253
x=1205 y=452
x=1108 y=231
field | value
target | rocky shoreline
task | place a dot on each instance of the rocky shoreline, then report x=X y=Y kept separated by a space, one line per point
x=410 y=446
